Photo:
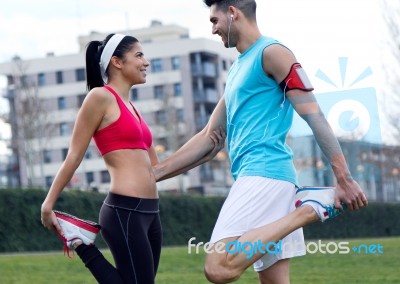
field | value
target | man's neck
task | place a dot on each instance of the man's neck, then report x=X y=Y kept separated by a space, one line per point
x=247 y=37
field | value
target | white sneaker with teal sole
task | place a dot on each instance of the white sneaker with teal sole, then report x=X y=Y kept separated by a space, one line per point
x=321 y=198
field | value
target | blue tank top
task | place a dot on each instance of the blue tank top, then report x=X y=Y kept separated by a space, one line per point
x=258 y=119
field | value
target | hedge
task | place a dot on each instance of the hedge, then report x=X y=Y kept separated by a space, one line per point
x=20 y=225
x=182 y=217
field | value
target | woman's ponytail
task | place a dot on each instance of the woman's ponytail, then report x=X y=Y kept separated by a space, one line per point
x=93 y=74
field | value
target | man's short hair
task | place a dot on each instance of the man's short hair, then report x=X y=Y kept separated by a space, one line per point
x=248 y=7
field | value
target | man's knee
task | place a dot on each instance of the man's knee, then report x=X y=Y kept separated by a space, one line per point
x=220 y=274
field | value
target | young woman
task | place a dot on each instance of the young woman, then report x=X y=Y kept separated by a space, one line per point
x=129 y=216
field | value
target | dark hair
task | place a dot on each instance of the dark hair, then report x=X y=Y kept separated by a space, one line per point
x=93 y=53
x=248 y=7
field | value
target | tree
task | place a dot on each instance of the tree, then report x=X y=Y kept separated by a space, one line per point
x=30 y=122
x=174 y=131
x=391 y=16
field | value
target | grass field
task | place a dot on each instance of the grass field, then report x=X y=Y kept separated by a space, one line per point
x=179 y=267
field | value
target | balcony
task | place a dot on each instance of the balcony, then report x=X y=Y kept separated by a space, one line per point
x=8 y=93
x=206 y=69
x=207 y=96
x=201 y=121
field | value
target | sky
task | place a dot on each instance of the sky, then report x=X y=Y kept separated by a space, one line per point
x=32 y=29
x=318 y=32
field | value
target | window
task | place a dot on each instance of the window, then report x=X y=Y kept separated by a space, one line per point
x=46 y=156
x=81 y=98
x=80 y=74
x=176 y=63
x=24 y=81
x=89 y=177
x=64 y=152
x=161 y=117
x=41 y=79
x=163 y=144
x=178 y=90
x=61 y=103
x=224 y=65
x=10 y=80
x=156 y=65
x=64 y=129
x=105 y=177
x=180 y=115
x=159 y=92
x=10 y=93
x=49 y=181
x=88 y=154
x=134 y=95
x=59 y=77
x=206 y=173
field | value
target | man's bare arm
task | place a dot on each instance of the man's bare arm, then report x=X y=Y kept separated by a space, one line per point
x=277 y=62
x=197 y=150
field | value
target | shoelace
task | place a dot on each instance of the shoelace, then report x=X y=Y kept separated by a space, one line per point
x=66 y=248
x=333 y=211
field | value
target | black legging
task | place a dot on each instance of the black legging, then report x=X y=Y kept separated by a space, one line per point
x=132 y=230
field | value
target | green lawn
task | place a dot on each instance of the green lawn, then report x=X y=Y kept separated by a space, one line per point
x=177 y=266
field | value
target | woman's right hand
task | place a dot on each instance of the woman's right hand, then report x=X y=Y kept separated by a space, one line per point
x=218 y=137
x=49 y=219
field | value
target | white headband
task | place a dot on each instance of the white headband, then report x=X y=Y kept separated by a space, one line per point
x=107 y=54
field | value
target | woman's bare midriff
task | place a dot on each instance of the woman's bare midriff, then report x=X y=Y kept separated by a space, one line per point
x=131 y=173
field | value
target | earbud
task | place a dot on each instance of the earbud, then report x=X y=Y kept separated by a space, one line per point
x=232 y=16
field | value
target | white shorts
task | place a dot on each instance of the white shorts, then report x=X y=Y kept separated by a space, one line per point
x=254 y=202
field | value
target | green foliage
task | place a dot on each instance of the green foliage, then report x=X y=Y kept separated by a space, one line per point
x=182 y=217
x=20 y=225
x=376 y=220
x=185 y=217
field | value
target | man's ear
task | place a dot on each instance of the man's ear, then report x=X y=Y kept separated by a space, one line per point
x=232 y=12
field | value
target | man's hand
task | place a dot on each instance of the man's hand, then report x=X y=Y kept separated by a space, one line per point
x=350 y=193
x=173 y=166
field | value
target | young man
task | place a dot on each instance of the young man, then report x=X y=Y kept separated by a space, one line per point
x=264 y=85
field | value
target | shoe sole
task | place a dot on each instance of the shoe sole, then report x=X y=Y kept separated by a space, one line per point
x=304 y=188
x=80 y=223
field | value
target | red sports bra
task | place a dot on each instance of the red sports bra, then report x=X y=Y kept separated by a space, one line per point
x=127 y=132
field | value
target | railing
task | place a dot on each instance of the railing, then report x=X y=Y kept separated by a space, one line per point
x=206 y=69
x=208 y=96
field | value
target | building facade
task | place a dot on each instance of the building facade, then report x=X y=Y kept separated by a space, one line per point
x=186 y=78
x=375 y=167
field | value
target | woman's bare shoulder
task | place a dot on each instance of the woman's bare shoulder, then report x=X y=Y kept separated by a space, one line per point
x=98 y=96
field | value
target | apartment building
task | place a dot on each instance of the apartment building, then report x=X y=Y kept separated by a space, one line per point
x=184 y=83
x=376 y=167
